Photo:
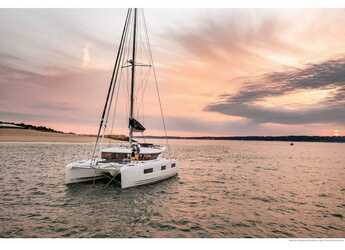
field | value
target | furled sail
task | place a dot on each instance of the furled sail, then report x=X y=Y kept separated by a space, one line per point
x=136 y=126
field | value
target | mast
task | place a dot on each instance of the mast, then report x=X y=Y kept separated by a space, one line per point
x=133 y=76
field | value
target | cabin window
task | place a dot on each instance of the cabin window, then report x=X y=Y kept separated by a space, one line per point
x=163 y=167
x=173 y=165
x=148 y=170
x=114 y=156
x=147 y=157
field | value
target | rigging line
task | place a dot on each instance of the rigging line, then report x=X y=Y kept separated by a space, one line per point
x=126 y=92
x=144 y=72
x=140 y=70
x=143 y=50
x=145 y=75
x=156 y=84
x=119 y=68
x=117 y=89
x=116 y=99
x=112 y=91
x=145 y=84
x=144 y=44
x=138 y=96
x=147 y=72
x=103 y=128
x=125 y=86
x=115 y=107
x=110 y=86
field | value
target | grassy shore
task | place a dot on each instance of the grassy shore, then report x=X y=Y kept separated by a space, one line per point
x=29 y=135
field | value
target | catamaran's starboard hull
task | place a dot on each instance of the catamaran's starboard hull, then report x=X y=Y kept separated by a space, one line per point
x=132 y=174
x=147 y=172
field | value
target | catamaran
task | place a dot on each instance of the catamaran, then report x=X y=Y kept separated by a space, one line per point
x=131 y=163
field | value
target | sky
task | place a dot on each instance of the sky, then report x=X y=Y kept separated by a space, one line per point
x=220 y=71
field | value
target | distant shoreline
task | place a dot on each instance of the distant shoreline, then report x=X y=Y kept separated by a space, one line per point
x=30 y=135
x=20 y=132
x=290 y=138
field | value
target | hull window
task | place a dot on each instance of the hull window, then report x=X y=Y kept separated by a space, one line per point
x=148 y=170
x=163 y=167
x=173 y=165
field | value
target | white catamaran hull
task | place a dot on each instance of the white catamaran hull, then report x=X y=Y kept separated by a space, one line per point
x=75 y=173
x=141 y=173
x=132 y=174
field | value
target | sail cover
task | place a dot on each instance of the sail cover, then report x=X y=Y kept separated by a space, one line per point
x=136 y=126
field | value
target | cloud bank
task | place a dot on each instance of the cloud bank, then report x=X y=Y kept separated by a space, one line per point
x=328 y=75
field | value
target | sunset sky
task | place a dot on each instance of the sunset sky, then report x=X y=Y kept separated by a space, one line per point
x=221 y=71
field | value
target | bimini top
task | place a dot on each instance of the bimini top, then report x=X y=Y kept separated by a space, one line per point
x=145 y=149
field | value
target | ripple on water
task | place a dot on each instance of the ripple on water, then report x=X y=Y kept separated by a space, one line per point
x=266 y=199
x=224 y=189
x=340 y=216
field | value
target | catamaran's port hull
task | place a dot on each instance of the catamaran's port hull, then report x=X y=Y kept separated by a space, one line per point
x=75 y=174
x=132 y=174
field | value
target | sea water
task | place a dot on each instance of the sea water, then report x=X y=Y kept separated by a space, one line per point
x=223 y=189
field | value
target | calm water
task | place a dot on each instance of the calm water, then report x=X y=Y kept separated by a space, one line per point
x=224 y=189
